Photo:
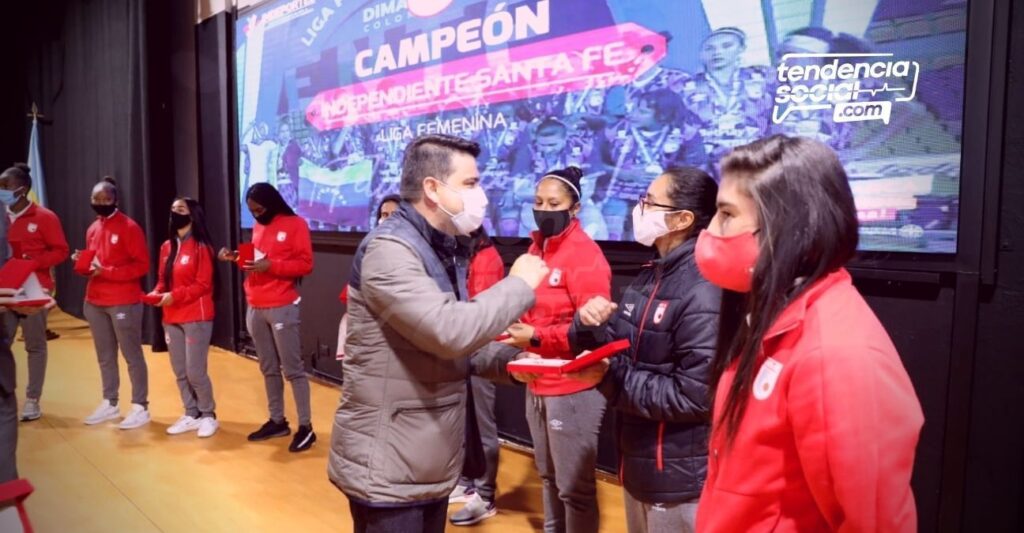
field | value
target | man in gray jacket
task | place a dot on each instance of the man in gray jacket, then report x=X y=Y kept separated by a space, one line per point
x=398 y=439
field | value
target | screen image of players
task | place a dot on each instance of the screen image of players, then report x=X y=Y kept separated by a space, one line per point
x=732 y=101
x=658 y=132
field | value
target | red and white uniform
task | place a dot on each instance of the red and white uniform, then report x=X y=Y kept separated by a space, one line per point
x=36 y=234
x=287 y=245
x=192 y=282
x=124 y=258
x=828 y=438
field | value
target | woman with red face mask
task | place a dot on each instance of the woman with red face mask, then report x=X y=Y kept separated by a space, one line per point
x=815 y=421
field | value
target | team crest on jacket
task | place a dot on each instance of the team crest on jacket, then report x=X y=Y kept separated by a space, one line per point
x=114 y=238
x=281 y=236
x=556 y=277
x=185 y=259
x=766 y=378
x=659 y=313
x=629 y=309
x=33 y=227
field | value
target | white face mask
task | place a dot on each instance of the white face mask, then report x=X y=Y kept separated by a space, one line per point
x=474 y=209
x=649 y=226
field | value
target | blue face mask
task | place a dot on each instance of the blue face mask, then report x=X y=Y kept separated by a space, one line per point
x=8 y=198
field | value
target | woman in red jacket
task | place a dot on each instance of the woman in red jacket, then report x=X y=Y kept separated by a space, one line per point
x=564 y=414
x=113 y=304
x=186 y=289
x=35 y=234
x=815 y=420
x=284 y=255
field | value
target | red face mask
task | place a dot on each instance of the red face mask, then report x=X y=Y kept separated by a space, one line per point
x=728 y=262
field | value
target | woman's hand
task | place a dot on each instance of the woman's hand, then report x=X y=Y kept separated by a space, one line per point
x=597 y=311
x=74 y=256
x=523 y=377
x=166 y=301
x=519 y=335
x=259 y=266
x=227 y=255
x=592 y=375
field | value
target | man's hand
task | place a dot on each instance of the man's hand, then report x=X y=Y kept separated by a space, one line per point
x=597 y=311
x=166 y=301
x=530 y=269
x=519 y=335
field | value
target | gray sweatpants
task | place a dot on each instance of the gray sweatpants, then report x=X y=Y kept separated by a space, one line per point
x=119 y=325
x=275 y=332
x=565 y=431
x=33 y=327
x=189 y=345
x=483 y=401
x=656 y=517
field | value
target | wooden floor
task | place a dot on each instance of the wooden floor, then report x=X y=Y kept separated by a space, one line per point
x=102 y=479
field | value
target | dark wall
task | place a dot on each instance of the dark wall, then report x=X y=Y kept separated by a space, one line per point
x=995 y=462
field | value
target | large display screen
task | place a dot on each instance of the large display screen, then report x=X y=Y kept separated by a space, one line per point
x=331 y=91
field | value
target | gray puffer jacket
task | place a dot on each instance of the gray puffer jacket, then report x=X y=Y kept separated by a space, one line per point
x=399 y=430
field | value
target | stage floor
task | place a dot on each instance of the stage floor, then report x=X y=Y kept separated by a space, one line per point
x=101 y=479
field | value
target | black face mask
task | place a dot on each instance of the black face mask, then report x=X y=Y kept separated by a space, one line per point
x=104 y=210
x=265 y=219
x=179 y=221
x=551 y=223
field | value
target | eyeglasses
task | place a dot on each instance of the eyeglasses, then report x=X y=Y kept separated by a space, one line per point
x=645 y=203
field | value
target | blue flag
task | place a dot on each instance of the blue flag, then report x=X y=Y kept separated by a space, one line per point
x=35 y=161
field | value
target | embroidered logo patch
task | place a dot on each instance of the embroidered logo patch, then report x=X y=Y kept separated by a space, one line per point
x=281 y=236
x=279 y=326
x=556 y=425
x=185 y=259
x=659 y=313
x=766 y=378
x=556 y=277
x=121 y=316
x=114 y=238
x=33 y=227
x=629 y=309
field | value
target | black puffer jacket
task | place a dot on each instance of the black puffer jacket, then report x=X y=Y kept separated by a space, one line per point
x=659 y=388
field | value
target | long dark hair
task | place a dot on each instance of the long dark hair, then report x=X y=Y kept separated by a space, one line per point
x=270 y=198
x=808 y=229
x=199 y=233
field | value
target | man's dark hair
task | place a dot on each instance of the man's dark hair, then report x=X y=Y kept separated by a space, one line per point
x=431 y=155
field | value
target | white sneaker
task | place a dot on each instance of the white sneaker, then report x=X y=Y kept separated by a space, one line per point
x=31 y=411
x=183 y=425
x=461 y=494
x=476 y=510
x=138 y=417
x=103 y=413
x=207 y=426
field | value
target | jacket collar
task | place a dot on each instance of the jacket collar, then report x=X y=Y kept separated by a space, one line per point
x=554 y=242
x=793 y=315
x=438 y=240
x=27 y=212
x=117 y=214
x=679 y=255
